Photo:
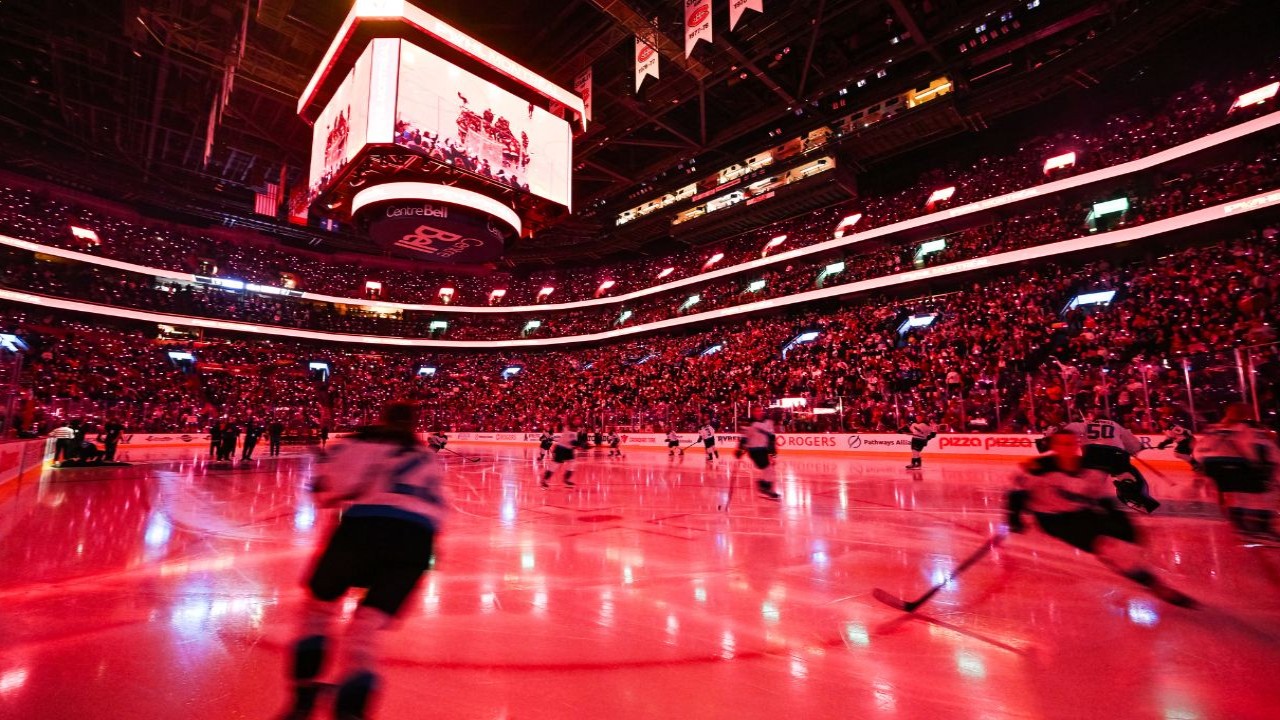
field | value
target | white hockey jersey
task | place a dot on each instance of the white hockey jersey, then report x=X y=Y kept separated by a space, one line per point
x=381 y=476
x=567 y=438
x=706 y=432
x=922 y=430
x=759 y=435
x=1054 y=490
x=1238 y=442
x=1105 y=432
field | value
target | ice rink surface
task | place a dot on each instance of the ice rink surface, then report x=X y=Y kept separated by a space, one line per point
x=170 y=588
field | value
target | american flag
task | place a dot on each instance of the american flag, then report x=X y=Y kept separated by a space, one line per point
x=267 y=203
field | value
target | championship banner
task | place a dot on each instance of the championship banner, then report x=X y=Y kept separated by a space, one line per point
x=646 y=61
x=582 y=86
x=697 y=23
x=737 y=7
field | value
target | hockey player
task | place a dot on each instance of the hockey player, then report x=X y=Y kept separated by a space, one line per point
x=1183 y=443
x=563 y=451
x=1071 y=502
x=760 y=444
x=673 y=442
x=437 y=441
x=1244 y=462
x=708 y=436
x=395 y=501
x=614 y=442
x=921 y=432
x=545 y=441
x=1110 y=448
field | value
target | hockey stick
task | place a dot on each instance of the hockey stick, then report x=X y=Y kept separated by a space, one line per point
x=686 y=447
x=1147 y=466
x=733 y=482
x=472 y=459
x=911 y=605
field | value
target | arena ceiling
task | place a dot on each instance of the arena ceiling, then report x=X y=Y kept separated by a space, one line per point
x=114 y=96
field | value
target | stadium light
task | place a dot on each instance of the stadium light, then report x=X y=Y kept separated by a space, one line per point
x=446 y=295
x=1059 y=161
x=804 y=337
x=833 y=269
x=426 y=371
x=1100 y=297
x=713 y=260
x=84 y=234
x=496 y=295
x=626 y=315
x=531 y=326
x=756 y=286
x=174 y=355
x=775 y=242
x=12 y=343
x=511 y=371
x=1256 y=97
x=604 y=287
x=916 y=321
x=941 y=195
x=544 y=292
x=693 y=300
x=931 y=247
x=665 y=272
x=438 y=325
x=845 y=226
x=712 y=350
x=1110 y=207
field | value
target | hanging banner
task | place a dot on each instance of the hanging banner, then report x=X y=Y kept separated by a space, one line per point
x=737 y=7
x=582 y=86
x=646 y=61
x=697 y=23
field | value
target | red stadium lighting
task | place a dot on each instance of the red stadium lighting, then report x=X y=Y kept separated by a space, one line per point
x=446 y=295
x=713 y=260
x=496 y=295
x=845 y=226
x=941 y=195
x=544 y=292
x=1061 y=161
x=1257 y=97
x=775 y=242
x=607 y=284
x=665 y=272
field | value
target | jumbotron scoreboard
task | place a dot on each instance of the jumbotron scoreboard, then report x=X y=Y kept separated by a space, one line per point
x=439 y=146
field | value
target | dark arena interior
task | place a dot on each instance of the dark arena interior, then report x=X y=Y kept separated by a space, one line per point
x=629 y=359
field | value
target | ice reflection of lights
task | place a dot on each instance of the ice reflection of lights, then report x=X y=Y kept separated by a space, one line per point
x=1142 y=612
x=820 y=556
x=700 y=594
x=11 y=680
x=970 y=665
x=673 y=626
x=488 y=601
x=770 y=612
x=856 y=633
x=1176 y=713
x=183 y=568
x=627 y=578
x=190 y=616
x=304 y=518
x=799 y=670
x=727 y=646
x=527 y=561
x=158 y=532
x=540 y=601
x=883 y=693
x=606 y=608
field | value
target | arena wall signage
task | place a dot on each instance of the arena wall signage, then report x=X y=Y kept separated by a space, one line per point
x=1129 y=234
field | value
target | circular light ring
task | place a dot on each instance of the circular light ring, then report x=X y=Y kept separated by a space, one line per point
x=431 y=192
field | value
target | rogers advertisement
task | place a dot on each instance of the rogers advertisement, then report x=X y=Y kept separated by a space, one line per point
x=456 y=118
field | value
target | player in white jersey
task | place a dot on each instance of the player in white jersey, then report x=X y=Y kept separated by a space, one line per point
x=708 y=436
x=673 y=442
x=1071 y=502
x=1110 y=448
x=437 y=441
x=567 y=440
x=614 y=441
x=1244 y=462
x=545 y=441
x=1183 y=443
x=921 y=432
x=395 y=502
x=760 y=444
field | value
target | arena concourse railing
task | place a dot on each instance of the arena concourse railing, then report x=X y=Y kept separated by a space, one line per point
x=923 y=222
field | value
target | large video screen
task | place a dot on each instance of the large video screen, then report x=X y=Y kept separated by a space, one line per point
x=341 y=130
x=460 y=119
